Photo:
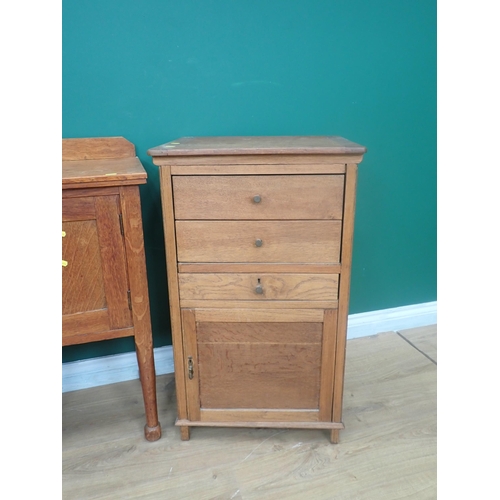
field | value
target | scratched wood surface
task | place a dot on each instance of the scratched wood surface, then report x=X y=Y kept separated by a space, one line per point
x=387 y=450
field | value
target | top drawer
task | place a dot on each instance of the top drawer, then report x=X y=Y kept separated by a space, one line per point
x=255 y=197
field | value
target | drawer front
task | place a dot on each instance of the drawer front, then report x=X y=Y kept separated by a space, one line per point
x=258 y=197
x=258 y=241
x=258 y=287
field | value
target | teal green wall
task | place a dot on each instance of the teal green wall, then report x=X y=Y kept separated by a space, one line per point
x=156 y=70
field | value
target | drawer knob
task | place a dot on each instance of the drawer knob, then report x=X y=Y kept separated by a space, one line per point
x=258 y=243
x=256 y=199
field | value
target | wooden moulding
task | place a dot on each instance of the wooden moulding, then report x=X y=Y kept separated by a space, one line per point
x=259 y=304
x=96 y=148
x=260 y=315
x=101 y=173
x=263 y=164
x=264 y=424
x=262 y=267
x=264 y=415
x=173 y=292
x=82 y=338
x=266 y=169
x=84 y=192
x=329 y=338
x=255 y=145
x=344 y=290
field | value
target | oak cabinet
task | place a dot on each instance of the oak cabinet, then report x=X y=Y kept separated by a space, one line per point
x=104 y=283
x=258 y=235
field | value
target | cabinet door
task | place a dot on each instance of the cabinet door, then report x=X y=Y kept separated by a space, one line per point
x=259 y=365
x=94 y=275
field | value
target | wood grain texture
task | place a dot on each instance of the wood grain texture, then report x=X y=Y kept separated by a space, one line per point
x=257 y=304
x=105 y=293
x=263 y=333
x=287 y=423
x=280 y=197
x=243 y=168
x=95 y=281
x=244 y=206
x=100 y=173
x=329 y=337
x=260 y=315
x=265 y=415
x=344 y=289
x=78 y=209
x=90 y=191
x=235 y=241
x=257 y=164
x=388 y=449
x=173 y=292
x=82 y=278
x=130 y=205
x=255 y=375
x=96 y=148
x=191 y=360
x=113 y=260
x=78 y=324
x=278 y=145
x=227 y=286
x=261 y=267
x=72 y=334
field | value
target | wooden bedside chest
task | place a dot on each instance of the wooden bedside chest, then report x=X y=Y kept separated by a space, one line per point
x=258 y=237
x=104 y=282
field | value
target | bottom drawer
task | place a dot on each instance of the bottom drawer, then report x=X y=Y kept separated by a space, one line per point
x=253 y=286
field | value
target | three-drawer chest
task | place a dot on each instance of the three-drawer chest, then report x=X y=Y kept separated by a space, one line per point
x=258 y=234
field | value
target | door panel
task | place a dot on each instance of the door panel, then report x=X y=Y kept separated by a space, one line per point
x=259 y=367
x=94 y=279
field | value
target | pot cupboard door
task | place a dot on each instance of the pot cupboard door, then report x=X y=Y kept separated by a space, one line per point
x=259 y=365
x=94 y=272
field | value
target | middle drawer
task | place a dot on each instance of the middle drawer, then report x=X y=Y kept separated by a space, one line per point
x=252 y=286
x=315 y=241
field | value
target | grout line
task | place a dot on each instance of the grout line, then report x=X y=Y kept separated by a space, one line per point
x=415 y=347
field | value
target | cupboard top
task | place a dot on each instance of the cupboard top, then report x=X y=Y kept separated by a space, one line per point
x=267 y=145
x=103 y=161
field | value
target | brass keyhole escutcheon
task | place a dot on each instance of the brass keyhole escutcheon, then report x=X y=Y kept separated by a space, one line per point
x=258 y=288
x=190 y=368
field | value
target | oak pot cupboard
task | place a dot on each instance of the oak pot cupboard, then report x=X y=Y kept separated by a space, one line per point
x=258 y=234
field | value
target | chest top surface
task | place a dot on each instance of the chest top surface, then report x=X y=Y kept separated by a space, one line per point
x=264 y=145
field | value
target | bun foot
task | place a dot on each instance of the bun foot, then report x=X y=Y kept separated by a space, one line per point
x=152 y=433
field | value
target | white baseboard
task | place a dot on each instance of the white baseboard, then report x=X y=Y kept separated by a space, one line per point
x=397 y=318
x=122 y=367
